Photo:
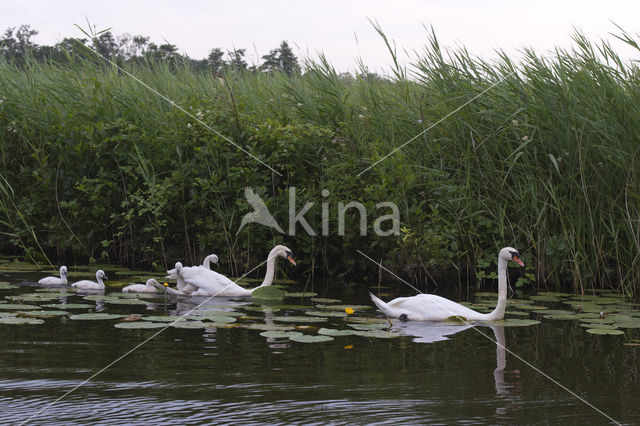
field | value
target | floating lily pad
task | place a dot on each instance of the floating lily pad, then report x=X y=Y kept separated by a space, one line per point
x=272 y=292
x=343 y=307
x=300 y=319
x=485 y=294
x=325 y=300
x=531 y=307
x=280 y=334
x=36 y=297
x=68 y=306
x=368 y=320
x=159 y=318
x=189 y=324
x=20 y=320
x=326 y=314
x=18 y=307
x=267 y=327
x=599 y=325
x=561 y=316
x=6 y=286
x=95 y=316
x=333 y=332
x=365 y=327
x=628 y=324
x=301 y=294
x=43 y=314
x=515 y=322
x=308 y=338
x=541 y=298
x=604 y=331
x=218 y=318
x=140 y=324
x=518 y=313
x=378 y=334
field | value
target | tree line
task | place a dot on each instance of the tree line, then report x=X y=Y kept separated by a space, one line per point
x=16 y=44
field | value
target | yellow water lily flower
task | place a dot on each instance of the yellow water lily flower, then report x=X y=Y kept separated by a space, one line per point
x=349 y=311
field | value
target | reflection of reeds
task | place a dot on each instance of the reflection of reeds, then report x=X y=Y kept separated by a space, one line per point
x=545 y=160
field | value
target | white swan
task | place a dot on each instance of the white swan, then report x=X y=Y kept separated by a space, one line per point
x=429 y=307
x=211 y=283
x=90 y=285
x=149 y=287
x=206 y=263
x=55 y=280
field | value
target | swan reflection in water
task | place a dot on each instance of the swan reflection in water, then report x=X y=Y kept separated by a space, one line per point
x=429 y=332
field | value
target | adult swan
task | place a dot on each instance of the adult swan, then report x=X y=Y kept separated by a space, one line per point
x=211 y=283
x=429 y=307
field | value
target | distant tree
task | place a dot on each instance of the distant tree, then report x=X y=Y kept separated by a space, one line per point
x=281 y=59
x=14 y=46
x=214 y=60
x=236 y=60
x=106 y=45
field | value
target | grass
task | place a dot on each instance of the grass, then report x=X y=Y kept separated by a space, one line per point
x=94 y=165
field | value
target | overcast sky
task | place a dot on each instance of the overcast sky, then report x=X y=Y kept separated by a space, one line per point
x=340 y=29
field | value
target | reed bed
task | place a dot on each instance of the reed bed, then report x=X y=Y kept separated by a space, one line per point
x=541 y=154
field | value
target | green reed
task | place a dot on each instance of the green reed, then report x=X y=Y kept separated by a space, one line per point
x=544 y=160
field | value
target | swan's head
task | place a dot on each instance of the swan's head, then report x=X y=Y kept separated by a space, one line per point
x=63 y=270
x=509 y=253
x=101 y=275
x=213 y=259
x=178 y=266
x=282 y=251
x=151 y=282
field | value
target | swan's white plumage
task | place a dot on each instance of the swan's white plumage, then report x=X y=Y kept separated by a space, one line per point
x=55 y=280
x=211 y=283
x=429 y=307
x=149 y=287
x=91 y=285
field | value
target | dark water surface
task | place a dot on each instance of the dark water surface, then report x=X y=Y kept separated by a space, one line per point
x=234 y=375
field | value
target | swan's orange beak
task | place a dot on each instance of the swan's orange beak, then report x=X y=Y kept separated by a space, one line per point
x=517 y=260
x=290 y=259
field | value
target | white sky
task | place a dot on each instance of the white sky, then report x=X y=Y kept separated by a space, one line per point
x=340 y=29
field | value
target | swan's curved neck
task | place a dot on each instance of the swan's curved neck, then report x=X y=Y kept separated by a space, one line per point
x=498 y=312
x=271 y=270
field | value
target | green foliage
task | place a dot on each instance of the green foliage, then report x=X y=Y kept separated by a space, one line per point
x=544 y=158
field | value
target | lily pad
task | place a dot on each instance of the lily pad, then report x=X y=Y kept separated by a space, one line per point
x=69 y=306
x=272 y=292
x=267 y=327
x=139 y=325
x=326 y=314
x=280 y=334
x=604 y=331
x=325 y=300
x=515 y=322
x=378 y=334
x=561 y=317
x=43 y=314
x=333 y=332
x=159 y=318
x=95 y=316
x=366 y=327
x=6 y=286
x=218 y=318
x=343 y=307
x=36 y=297
x=308 y=338
x=518 y=313
x=301 y=294
x=189 y=324
x=300 y=319
x=20 y=320
x=18 y=307
x=541 y=298
x=531 y=307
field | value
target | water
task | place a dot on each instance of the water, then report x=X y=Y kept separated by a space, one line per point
x=433 y=374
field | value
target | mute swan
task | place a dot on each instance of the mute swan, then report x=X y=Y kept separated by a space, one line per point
x=429 y=307
x=206 y=263
x=211 y=283
x=55 y=280
x=149 y=287
x=90 y=285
